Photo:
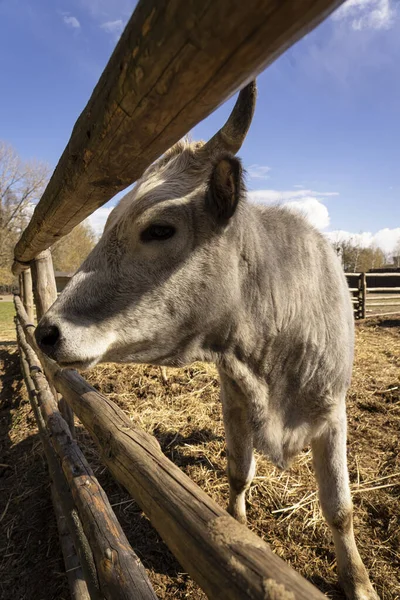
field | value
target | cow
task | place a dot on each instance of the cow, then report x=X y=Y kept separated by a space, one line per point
x=187 y=269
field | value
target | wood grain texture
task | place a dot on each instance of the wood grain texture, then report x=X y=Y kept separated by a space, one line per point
x=45 y=293
x=224 y=557
x=28 y=294
x=64 y=496
x=175 y=63
x=76 y=581
x=44 y=283
x=121 y=574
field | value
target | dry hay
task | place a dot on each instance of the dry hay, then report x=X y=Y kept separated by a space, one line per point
x=185 y=416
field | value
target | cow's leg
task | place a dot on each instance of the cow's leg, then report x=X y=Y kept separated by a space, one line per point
x=329 y=455
x=239 y=442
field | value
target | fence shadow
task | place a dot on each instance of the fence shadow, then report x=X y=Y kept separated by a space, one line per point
x=144 y=539
x=28 y=532
x=172 y=444
x=389 y=323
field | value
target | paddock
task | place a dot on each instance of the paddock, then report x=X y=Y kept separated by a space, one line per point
x=374 y=294
x=185 y=416
x=171 y=68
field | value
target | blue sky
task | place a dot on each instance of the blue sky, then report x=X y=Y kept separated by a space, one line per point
x=326 y=133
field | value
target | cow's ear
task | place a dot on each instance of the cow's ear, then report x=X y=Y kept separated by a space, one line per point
x=225 y=188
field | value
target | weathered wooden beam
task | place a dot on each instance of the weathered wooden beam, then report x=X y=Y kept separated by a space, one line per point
x=224 y=557
x=382 y=275
x=21 y=286
x=45 y=292
x=66 y=504
x=44 y=283
x=383 y=304
x=174 y=64
x=28 y=294
x=120 y=572
x=362 y=295
x=76 y=581
x=383 y=289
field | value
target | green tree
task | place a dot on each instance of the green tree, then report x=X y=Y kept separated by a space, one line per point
x=71 y=250
x=356 y=259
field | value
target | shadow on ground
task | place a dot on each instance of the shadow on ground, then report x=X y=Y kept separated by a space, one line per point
x=31 y=563
x=30 y=559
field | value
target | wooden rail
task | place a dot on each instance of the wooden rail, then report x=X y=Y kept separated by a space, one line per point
x=174 y=64
x=367 y=300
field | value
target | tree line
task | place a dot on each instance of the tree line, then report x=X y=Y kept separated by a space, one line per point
x=358 y=259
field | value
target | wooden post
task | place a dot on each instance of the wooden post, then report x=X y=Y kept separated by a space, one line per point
x=360 y=296
x=45 y=292
x=21 y=287
x=363 y=294
x=44 y=283
x=28 y=294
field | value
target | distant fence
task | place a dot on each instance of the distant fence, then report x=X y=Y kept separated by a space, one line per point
x=8 y=289
x=374 y=294
x=174 y=64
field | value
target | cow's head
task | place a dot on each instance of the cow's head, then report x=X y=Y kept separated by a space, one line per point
x=160 y=284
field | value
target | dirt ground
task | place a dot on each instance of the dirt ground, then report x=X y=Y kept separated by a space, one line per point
x=185 y=416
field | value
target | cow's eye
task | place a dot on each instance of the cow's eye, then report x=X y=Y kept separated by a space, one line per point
x=157 y=232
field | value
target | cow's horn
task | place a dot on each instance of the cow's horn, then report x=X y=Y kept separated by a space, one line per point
x=231 y=136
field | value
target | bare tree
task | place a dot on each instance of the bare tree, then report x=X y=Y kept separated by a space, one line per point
x=21 y=186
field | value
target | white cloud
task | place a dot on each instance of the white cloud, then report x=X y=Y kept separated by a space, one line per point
x=258 y=171
x=361 y=38
x=307 y=202
x=113 y=27
x=98 y=219
x=385 y=239
x=367 y=14
x=313 y=210
x=269 y=196
x=71 y=21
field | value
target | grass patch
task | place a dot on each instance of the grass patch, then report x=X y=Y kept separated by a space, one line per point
x=7 y=327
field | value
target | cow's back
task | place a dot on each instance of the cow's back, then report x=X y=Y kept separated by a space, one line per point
x=308 y=321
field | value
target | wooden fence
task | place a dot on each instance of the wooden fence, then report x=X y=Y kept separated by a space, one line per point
x=374 y=294
x=174 y=64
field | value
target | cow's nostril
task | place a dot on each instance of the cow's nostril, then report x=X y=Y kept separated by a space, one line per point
x=50 y=336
